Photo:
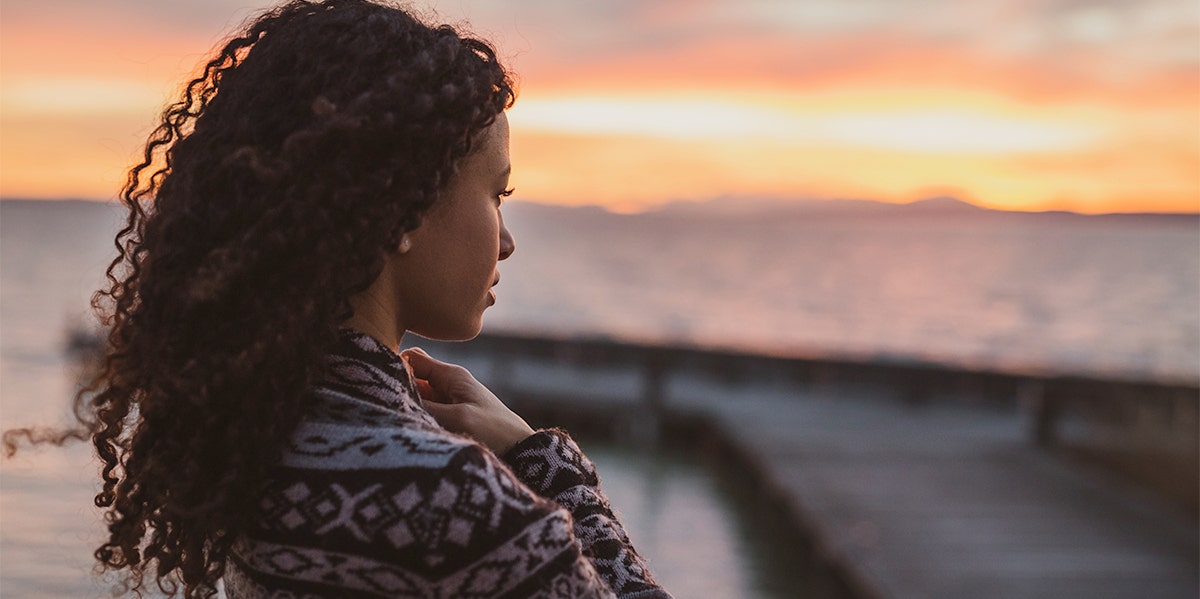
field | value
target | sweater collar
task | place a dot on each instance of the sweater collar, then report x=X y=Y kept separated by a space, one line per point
x=363 y=367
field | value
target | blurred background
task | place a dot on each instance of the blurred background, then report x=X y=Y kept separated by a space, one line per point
x=995 y=199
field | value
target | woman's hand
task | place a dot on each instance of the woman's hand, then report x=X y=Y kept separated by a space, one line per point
x=462 y=404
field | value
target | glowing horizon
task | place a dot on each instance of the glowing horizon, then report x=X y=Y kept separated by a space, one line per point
x=1090 y=108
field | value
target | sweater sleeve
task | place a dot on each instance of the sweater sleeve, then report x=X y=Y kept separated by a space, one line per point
x=551 y=464
x=465 y=528
x=391 y=513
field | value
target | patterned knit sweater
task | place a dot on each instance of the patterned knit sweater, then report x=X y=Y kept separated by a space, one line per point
x=374 y=499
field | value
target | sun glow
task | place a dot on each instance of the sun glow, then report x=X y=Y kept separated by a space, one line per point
x=1025 y=107
x=630 y=151
x=951 y=131
x=928 y=129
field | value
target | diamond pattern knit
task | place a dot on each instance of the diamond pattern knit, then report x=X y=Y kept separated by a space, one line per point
x=373 y=499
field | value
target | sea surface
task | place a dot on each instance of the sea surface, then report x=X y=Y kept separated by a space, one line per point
x=1114 y=297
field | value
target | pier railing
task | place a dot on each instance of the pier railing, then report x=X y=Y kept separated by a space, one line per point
x=1127 y=424
x=1052 y=401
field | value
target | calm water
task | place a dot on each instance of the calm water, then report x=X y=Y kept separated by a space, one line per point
x=1101 y=296
x=1092 y=296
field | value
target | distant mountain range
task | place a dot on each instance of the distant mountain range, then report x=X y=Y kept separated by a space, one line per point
x=753 y=206
x=760 y=208
x=757 y=208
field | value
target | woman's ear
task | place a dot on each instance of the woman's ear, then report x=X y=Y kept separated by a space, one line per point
x=405 y=243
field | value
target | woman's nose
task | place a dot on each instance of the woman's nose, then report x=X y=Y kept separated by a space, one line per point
x=507 y=245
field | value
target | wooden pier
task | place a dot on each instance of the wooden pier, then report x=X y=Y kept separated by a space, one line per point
x=907 y=479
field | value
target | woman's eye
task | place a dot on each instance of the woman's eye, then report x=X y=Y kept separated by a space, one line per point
x=504 y=194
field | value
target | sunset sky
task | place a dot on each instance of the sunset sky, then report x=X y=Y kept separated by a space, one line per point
x=1091 y=106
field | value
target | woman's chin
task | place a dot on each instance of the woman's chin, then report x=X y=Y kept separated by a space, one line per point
x=465 y=331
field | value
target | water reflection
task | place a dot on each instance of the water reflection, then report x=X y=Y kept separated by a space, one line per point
x=701 y=539
x=48 y=524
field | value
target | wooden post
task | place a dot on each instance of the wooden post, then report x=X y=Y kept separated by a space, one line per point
x=1044 y=412
x=648 y=421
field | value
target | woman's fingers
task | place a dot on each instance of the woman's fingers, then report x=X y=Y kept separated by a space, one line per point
x=456 y=418
x=431 y=375
x=461 y=404
x=435 y=409
x=421 y=363
x=425 y=391
x=447 y=381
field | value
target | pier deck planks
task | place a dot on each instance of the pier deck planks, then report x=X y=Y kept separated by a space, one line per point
x=948 y=501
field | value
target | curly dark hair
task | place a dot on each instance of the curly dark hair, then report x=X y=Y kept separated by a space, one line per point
x=270 y=192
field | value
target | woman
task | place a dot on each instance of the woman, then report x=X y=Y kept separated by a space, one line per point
x=330 y=181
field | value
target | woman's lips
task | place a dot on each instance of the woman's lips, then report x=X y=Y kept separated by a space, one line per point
x=492 y=292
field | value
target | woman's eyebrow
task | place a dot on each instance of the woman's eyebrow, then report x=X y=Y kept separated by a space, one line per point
x=506 y=172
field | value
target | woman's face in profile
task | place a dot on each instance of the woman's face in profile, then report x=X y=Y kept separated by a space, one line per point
x=448 y=272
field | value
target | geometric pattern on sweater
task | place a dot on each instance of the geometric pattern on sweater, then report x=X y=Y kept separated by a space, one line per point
x=414 y=507
x=468 y=530
x=576 y=581
x=337 y=446
x=372 y=498
x=324 y=404
x=552 y=464
x=498 y=572
x=364 y=368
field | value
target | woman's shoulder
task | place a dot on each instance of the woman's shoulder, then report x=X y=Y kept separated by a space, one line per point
x=342 y=432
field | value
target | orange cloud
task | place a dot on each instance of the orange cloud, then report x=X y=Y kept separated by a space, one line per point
x=882 y=114
x=1116 y=171
x=78 y=97
x=880 y=61
x=1014 y=104
x=67 y=156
